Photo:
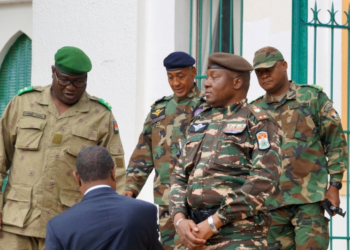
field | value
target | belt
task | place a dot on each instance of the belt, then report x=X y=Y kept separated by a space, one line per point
x=201 y=214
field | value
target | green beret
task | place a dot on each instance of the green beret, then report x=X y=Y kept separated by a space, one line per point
x=72 y=61
x=228 y=61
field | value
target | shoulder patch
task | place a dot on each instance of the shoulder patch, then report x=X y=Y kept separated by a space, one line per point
x=319 y=88
x=256 y=99
x=29 y=89
x=104 y=103
x=164 y=98
x=258 y=112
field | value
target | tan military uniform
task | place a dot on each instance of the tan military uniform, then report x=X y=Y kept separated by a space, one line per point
x=40 y=148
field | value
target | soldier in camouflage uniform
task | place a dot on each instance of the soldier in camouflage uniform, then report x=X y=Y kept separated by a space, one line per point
x=230 y=163
x=42 y=131
x=313 y=146
x=158 y=145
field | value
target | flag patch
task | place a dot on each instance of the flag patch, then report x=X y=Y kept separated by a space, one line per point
x=234 y=128
x=263 y=140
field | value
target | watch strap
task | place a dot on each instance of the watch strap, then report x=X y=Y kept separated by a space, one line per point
x=338 y=185
x=212 y=225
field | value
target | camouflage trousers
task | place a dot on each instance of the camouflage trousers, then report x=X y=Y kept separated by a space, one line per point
x=167 y=229
x=299 y=227
x=9 y=241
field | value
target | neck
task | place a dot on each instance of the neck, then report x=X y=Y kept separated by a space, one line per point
x=61 y=107
x=86 y=185
x=282 y=90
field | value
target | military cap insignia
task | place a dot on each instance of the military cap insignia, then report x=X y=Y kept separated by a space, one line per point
x=25 y=90
x=157 y=115
x=234 y=128
x=104 y=103
x=198 y=127
x=263 y=140
x=115 y=127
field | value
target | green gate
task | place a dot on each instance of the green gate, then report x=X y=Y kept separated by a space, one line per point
x=300 y=28
x=15 y=72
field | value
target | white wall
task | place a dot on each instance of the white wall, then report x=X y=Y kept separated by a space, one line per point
x=266 y=23
x=15 y=19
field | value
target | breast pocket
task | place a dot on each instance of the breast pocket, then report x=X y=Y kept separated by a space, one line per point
x=29 y=133
x=300 y=127
x=191 y=152
x=82 y=137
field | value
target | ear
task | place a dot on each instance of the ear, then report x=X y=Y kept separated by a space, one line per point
x=77 y=179
x=53 y=70
x=194 y=72
x=285 y=66
x=237 y=82
x=113 y=173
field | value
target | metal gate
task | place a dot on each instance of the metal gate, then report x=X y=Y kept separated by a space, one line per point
x=303 y=29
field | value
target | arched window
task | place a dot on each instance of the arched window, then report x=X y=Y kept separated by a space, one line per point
x=15 y=72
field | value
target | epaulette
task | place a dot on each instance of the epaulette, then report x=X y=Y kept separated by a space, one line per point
x=164 y=98
x=101 y=101
x=319 y=88
x=258 y=112
x=29 y=89
x=256 y=99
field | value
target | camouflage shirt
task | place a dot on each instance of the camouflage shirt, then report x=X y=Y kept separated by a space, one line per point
x=158 y=143
x=312 y=132
x=230 y=159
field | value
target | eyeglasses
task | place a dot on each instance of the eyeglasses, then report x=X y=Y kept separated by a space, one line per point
x=65 y=83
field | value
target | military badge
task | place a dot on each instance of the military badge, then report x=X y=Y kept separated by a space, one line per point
x=157 y=115
x=197 y=112
x=197 y=128
x=234 y=128
x=327 y=107
x=257 y=110
x=263 y=140
x=334 y=114
x=115 y=126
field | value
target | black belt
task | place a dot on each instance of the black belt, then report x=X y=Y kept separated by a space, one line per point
x=201 y=214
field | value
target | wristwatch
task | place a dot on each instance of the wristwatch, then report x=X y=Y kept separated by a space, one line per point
x=212 y=225
x=338 y=185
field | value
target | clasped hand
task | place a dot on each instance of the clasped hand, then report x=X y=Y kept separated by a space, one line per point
x=194 y=236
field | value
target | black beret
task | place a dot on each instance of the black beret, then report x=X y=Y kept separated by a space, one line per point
x=178 y=60
x=228 y=61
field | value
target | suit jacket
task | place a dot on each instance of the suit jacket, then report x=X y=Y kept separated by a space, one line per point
x=105 y=220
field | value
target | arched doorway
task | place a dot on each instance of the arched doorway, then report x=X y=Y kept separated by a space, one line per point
x=15 y=72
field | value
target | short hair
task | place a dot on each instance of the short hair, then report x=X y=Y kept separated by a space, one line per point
x=94 y=163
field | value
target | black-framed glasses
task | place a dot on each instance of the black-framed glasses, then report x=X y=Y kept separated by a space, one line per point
x=66 y=83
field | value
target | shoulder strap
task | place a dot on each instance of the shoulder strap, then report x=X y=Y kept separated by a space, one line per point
x=258 y=112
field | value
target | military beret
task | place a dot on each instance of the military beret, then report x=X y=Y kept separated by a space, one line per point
x=72 y=61
x=178 y=60
x=228 y=61
x=266 y=57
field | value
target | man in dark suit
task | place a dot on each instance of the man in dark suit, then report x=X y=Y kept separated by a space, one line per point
x=103 y=219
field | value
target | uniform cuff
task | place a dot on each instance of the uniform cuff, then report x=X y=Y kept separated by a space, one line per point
x=133 y=189
x=174 y=211
x=336 y=177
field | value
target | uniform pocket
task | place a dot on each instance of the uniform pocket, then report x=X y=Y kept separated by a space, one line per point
x=17 y=206
x=69 y=198
x=82 y=137
x=29 y=133
x=190 y=153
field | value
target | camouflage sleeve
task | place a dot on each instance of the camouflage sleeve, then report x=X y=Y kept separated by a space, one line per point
x=263 y=176
x=179 y=180
x=332 y=138
x=8 y=139
x=141 y=161
x=114 y=145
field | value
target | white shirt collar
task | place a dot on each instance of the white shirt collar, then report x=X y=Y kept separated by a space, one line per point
x=96 y=187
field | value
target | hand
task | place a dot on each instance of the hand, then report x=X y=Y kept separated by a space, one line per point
x=129 y=193
x=185 y=230
x=204 y=231
x=332 y=195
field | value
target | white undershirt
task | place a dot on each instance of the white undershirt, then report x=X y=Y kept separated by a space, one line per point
x=96 y=187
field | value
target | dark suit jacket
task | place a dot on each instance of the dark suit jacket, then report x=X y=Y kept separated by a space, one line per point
x=105 y=220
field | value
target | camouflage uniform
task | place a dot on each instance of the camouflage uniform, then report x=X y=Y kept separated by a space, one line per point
x=157 y=148
x=312 y=133
x=40 y=147
x=230 y=160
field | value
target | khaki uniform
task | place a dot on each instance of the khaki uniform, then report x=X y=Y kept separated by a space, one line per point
x=40 y=148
